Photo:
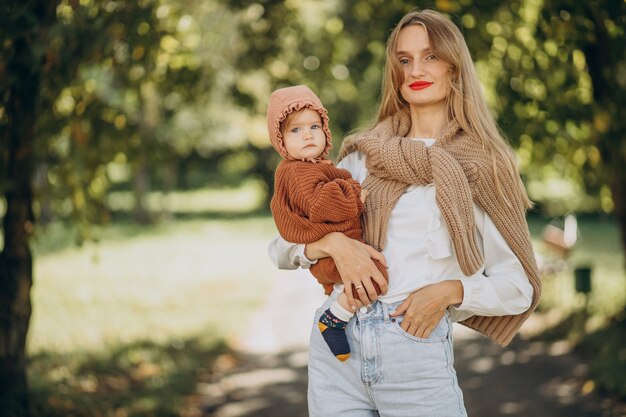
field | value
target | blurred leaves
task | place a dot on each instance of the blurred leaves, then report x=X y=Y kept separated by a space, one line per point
x=136 y=93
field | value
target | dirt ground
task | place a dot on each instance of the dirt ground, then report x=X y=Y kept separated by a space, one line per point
x=267 y=376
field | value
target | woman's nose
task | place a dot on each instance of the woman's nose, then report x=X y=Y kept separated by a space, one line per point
x=416 y=68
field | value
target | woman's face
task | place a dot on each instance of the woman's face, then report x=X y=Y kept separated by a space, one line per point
x=426 y=78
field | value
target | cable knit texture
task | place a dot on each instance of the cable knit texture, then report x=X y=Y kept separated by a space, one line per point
x=462 y=174
x=311 y=200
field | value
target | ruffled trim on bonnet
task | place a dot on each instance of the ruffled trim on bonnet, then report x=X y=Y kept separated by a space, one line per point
x=294 y=107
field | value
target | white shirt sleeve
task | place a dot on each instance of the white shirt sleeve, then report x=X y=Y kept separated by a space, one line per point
x=287 y=255
x=501 y=287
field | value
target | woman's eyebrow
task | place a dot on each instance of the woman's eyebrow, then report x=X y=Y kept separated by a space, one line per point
x=425 y=50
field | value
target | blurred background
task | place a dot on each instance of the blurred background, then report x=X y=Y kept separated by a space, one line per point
x=136 y=172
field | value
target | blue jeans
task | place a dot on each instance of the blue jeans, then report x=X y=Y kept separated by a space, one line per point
x=389 y=373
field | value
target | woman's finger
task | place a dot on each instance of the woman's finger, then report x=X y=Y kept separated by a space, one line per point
x=399 y=311
x=374 y=254
x=382 y=283
x=424 y=331
x=410 y=327
x=373 y=274
x=369 y=288
x=352 y=302
x=363 y=294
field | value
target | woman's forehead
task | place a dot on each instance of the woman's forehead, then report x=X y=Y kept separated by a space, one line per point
x=413 y=38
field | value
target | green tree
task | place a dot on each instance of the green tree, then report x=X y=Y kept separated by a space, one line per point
x=83 y=84
x=558 y=68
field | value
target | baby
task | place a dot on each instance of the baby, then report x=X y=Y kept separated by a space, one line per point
x=312 y=197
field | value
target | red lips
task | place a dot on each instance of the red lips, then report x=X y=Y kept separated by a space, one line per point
x=420 y=85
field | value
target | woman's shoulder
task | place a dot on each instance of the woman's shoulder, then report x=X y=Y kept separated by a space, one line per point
x=354 y=162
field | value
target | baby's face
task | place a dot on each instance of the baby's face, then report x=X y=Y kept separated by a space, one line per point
x=303 y=135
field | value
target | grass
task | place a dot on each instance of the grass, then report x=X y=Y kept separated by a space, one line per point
x=127 y=327
x=117 y=324
x=599 y=247
x=175 y=281
x=594 y=323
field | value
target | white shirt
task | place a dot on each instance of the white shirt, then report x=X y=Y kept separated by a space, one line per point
x=419 y=252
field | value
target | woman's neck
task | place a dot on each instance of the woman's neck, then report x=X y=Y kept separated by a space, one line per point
x=427 y=122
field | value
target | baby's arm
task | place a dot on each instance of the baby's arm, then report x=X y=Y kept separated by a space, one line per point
x=336 y=201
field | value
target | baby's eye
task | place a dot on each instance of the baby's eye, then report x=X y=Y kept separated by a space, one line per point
x=295 y=130
x=316 y=127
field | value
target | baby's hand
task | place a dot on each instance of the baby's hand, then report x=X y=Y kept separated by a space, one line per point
x=364 y=194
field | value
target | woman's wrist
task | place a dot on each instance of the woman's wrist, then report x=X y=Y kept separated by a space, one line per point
x=322 y=248
x=454 y=289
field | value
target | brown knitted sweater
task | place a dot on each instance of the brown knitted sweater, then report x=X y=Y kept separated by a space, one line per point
x=313 y=199
x=462 y=174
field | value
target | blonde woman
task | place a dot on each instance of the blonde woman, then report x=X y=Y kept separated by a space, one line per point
x=446 y=213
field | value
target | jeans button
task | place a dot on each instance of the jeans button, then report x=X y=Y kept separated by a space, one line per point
x=363 y=310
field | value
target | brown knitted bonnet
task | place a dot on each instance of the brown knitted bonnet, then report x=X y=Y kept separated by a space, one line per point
x=285 y=101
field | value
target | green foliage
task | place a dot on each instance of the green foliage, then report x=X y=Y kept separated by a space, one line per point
x=557 y=67
x=133 y=92
x=114 y=70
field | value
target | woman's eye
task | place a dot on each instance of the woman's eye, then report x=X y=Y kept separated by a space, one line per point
x=431 y=57
x=404 y=61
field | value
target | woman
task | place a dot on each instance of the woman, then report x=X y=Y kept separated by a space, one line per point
x=446 y=208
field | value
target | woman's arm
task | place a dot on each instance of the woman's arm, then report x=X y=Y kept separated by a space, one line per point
x=424 y=308
x=287 y=255
x=501 y=289
x=354 y=263
x=353 y=260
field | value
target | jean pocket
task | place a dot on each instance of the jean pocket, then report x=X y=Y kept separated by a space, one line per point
x=439 y=333
x=318 y=313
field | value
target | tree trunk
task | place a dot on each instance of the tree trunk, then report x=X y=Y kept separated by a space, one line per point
x=41 y=188
x=15 y=260
x=23 y=66
x=619 y=199
x=141 y=187
x=170 y=173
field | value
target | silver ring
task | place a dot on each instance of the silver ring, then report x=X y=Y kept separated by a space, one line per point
x=360 y=286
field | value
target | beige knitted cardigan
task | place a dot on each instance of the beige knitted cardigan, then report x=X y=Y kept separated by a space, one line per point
x=462 y=173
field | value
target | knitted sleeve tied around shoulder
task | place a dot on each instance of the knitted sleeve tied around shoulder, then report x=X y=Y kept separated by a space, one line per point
x=462 y=174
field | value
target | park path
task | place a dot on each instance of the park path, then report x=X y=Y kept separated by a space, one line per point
x=266 y=377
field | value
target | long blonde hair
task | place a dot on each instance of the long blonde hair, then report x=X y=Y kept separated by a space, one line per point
x=465 y=102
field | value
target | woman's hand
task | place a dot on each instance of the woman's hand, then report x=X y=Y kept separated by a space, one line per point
x=424 y=308
x=354 y=263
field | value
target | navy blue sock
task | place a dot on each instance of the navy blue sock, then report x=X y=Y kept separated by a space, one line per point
x=334 y=333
